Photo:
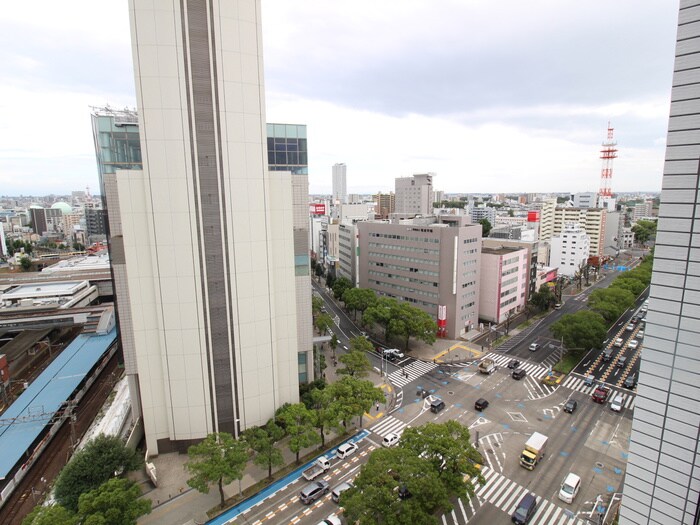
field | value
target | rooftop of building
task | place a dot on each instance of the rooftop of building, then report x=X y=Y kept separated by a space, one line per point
x=501 y=250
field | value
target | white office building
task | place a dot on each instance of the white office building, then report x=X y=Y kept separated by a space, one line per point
x=569 y=250
x=340 y=183
x=202 y=243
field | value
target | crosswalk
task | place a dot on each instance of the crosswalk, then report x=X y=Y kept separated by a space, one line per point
x=506 y=494
x=410 y=372
x=533 y=370
x=575 y=382
x=389 y=425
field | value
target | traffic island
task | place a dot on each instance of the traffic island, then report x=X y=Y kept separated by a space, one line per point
x=553 y=378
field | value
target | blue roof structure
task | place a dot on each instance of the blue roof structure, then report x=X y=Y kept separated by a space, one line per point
x=46 y=395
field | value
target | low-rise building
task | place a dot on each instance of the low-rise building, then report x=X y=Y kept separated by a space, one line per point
x=503 y=282
x=570 y=250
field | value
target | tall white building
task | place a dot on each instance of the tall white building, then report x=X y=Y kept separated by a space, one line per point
x=202 y=244
x=662 y=481
x=569 y=250
x=414 y=195
x=340 y=183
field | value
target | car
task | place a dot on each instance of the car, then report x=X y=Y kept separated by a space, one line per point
x=621 y=361
x=569 y=488
x=619 y=342
x=480 y=404
x=645 y=308
x=390 y=439
x=640 y=334
x=339 y=489
x=630 y=381
x=616 y=405
x=313 y=491
x=589 y=380
x=600 y=394
x=436 y=405
x=519 y=373
x=629 y=327
x=525 y=510
x=633 y=344
x=570 y=406
x=393 y=353
x=534 y=346
x=513 y=364
x=331 y=520
x=557 y=306
x=345 y=450
x=634 y=319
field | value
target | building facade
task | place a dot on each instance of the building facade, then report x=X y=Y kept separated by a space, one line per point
x=503 y=282
x=479 y=213
x=662 y=481
x=569 y=250
x=347 y=251
x=202 y=241
x=386 y=204
x=642 y=210
x=432 y=264
x=531 y=248
x=592 y=220
x=340 y=183
x=414 y=195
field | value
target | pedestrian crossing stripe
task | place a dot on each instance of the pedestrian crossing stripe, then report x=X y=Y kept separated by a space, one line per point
x=388 y=426
x=413 y=370
x=576 y=383
x=532 y=369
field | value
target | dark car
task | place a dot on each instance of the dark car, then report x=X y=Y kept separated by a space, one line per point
x=634 y=320
x=631 y=381
x=519 y=373
x=514 y=363
x=525 y=510
x=480 y=404
x=622 y=361
x=570 y=406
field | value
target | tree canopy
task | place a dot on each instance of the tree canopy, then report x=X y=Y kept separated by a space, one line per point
x=485 y=227
x=543 y=298
x=400 y=320
x=580 y=331
x=116 y=502
x=610 y=302
x=262 y=441
x=356 y=363
x=359 y=299
x=50 y=515
x=299 y=425
x=91 y=467
x=644 y=231
x=219 y=459
x=340 y=286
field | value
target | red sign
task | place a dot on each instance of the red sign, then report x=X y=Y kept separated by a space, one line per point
x=533 y=216
x=317 y=209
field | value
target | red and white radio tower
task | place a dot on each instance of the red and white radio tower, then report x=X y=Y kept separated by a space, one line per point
x=608 y=153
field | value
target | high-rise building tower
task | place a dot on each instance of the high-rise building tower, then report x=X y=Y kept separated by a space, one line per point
x=340 y=184
x=662 y=482
x=202 y=243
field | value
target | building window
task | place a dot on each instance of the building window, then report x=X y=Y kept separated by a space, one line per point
x=301 y=361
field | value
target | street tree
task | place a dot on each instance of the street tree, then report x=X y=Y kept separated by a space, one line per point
x=323 y=322
x=582 y=330
x=510 y=315
x=91 y=467
x=610 y=302
x=635 y=286
x=485 y=227
x=25 y=263
x=262 y=441
x=333 y=343
x=361 y=344
x=299 y=425
x=316 y=304
x=340 y=286
x=325 y=415
x=50 y=515
x=380 y=313
x=543 y=298
x=356 y=363
x=219 y=459
x=644 y=231
x=448 y=448
x=359 y=299
x=415 y=323
x=354 y=397
x=115 y=502
x=388 y=472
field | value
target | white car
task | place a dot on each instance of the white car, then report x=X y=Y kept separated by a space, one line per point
x=633 y=344
x=619 y=342
x=616 y=405
x=640 y=334
x=331 y=520
x=629 y=327
x=348 y=449
x=534 y=346
x=390 y=440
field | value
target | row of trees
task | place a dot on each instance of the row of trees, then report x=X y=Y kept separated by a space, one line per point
x=587 y=329
x=408 y=484
x=88 y=492
x=220 y=459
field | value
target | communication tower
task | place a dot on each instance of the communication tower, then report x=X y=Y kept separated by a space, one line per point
x=608 y=153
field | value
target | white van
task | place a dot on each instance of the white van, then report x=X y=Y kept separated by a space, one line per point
x=569 y=487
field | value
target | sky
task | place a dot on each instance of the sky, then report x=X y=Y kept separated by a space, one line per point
x=506 y=96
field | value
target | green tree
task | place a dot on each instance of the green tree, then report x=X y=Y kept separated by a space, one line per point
x=356 y=364
x=543 y=298
x=359 y=299
x=485 y=227
x=299 y=425
x=91 y=467
x=262 y=441
x=361 y=344
x=375 y=497
x=644 y=230
x=25 y=263
x=323 y=322
x=116 y=502
x=325 y=416
x=333 y=343
x=582 y=330
x=635 y=286
x=353 y=397
x=217 y=459
x=380 y=313
x=316 y=305
x=610 y=302
x=409 y=321
x=50 y=515
x=340 y=286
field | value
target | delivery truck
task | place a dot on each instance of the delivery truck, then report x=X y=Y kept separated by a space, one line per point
x=534 y=450
x=320 y=466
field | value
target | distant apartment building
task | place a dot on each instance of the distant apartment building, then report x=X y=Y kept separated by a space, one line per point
x=340 y=183
x=46 y=220
x=585 y=200
x=430 y=263
x=592 y=220
x=546 y=209
x=613 y=233
x=95 y=223
x=356 y=212
x=570 y=249
x=510 y=221
x=439 y=196
x=70 y=221
x=642 y=210
x=503 y=282
x=414 y=195
x=531 y=247
x=386 y=204
x=347 y=251
x=483 y=212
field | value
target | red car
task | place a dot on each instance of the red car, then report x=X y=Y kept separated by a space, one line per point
x=600 y=394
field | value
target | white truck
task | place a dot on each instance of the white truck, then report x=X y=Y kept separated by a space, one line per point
x=534 y=450
x=320 y=466
x=487 y=366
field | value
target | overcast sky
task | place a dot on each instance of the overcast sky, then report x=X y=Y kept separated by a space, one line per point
x=492 y=96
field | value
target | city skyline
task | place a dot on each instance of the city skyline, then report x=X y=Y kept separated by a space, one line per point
x=461 y=104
